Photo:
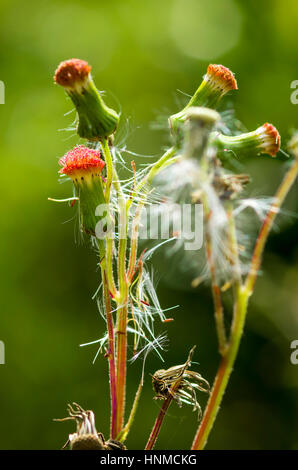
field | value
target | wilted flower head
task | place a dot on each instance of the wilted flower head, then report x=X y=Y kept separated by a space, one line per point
x=180 y=383
x=86 y=436
x=84 y=166
x=264 y=140
x=96 y=119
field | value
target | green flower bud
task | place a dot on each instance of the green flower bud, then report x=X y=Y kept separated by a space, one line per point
x=264 y=140
x=216 y=83
x=96 y=119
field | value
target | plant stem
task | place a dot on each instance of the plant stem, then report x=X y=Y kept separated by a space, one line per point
x=109 y=166
x=121 y=365
x=242 y=296
x=122 y=314
x=218 y=307
x=124 y=280
x=124 y=433
x=280 y=196
x=111 y=357
x=164 y=160
x=224 y=372
x=111 y=350
x=122 y=296
x=134 y=239
x=234 y=255
x=160 y=417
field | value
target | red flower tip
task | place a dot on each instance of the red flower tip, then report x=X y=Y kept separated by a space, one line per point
x=81 y=159
x=270 y=139
x=222 y=76
x=71 y=72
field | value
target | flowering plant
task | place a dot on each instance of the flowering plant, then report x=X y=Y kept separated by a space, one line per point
x=196 y=170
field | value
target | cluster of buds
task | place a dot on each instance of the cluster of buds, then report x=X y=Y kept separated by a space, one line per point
x=180 y=383
x=218 y=81
x=86 y=436
x=84 y=166
x=96 y=119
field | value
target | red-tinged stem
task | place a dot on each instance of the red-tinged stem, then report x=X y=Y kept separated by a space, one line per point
x=122 y=315
x=243 y=294
x=160 y=417
x=121 y=366
x=280 y=196
x=111 y=358
x=223 y=373
x=158 y=423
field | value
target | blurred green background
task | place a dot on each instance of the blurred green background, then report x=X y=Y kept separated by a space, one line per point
x=141 y=53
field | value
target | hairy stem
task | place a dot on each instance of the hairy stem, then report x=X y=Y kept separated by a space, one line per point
x=109 y=166
x=111 y=357
x=165 y=160
x=122 y=314
x=121 y=365
x=223 y=373
x=161 y=415
x=111 y=349
x=242 y=296
x=280 y=196
x=124 y=433
x=216 y=293
x=121 y=297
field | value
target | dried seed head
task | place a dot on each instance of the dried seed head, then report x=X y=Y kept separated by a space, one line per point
x=85 y=442
x=264 y=140
x=180 y=383
x=86 y=436
x=96 y=119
